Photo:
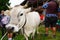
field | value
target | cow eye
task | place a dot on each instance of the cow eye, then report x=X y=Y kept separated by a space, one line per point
x=21 y=14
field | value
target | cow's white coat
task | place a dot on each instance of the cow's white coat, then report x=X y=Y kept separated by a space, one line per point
x=32 y=20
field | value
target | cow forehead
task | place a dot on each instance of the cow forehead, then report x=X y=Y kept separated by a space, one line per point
x=17 y=10
x=13 y=15
x=20 y=9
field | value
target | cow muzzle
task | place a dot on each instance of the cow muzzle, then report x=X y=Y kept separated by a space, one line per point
x=10 y=29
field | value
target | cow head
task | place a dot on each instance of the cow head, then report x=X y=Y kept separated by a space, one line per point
x=17 y=20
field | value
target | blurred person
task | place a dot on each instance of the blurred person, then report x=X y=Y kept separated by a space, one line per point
x=2 y=26
x=4 y=20
x=32 y=3
x=51 y=16
x=59 y=2
x=58 y=21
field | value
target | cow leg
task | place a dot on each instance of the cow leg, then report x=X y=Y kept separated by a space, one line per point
x=37 y=31
x=32 y=36
x=26 y=36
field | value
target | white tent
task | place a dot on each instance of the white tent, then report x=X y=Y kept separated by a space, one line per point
x=15 y=2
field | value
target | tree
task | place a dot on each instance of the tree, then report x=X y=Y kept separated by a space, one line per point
x=3 y=4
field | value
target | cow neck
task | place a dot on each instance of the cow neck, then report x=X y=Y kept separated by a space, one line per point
x=23 y=24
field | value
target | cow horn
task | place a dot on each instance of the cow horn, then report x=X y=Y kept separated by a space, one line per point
x=26 y=4
x=9 y=7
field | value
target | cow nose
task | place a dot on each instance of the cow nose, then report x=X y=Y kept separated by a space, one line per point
x=10 y=28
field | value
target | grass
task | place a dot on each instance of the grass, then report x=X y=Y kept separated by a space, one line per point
x=39 y=36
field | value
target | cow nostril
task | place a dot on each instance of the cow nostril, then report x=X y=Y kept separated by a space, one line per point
x=12 y=28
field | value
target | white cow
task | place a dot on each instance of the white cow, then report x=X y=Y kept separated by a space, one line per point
x=23 y=18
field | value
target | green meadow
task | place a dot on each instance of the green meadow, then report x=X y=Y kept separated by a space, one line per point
x=39 y=36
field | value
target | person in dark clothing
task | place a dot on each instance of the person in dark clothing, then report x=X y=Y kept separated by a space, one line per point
x=51 y=16
x=33 y=3
x=30 y=3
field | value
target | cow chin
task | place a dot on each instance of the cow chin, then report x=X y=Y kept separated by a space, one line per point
x=12 y=28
